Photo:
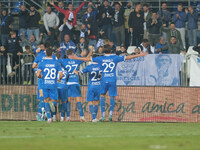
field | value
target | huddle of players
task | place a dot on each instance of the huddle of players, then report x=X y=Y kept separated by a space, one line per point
x=58 y=79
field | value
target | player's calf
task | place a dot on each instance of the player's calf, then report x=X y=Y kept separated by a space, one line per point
x=80 y=108
x=102 y=105
x=91 y=107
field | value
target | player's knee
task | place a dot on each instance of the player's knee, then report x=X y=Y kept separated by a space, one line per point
x=78 y=99
x=96 y=102
x=41 y=93
x=90 y=103
x=112 y=97
x=102 y=95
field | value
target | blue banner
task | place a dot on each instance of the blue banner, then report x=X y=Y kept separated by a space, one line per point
x=151 y=70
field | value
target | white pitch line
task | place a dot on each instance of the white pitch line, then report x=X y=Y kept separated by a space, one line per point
x=102 y=136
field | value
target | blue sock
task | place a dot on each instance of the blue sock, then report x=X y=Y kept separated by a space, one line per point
x=54 y=113
x=39 y=109
x=112 y=105
x=96 y=108
x=92 y=111
x=63 y=109
x=47 y=110
x=68 y=109
x=102 y=105
x=42 y=104
x=80 y=108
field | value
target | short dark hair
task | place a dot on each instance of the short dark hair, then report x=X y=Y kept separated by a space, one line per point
x=49 y=51
x=58 y=55
x=107 y=49
x=69 y=52
x=180 y=4
x=172 y=37
x=145 y=5
x=47 y=45
x=164 y=3
x=27 y=47
x=145 y=40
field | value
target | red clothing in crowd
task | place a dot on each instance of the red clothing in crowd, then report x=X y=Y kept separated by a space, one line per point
x=67 y=12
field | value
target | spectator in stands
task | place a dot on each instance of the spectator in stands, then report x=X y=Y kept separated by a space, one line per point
x=23 y=15
x=146 y=47
x=3 y=64
x=118 y=24
x=28 y=61
x=122 y=50
x=154 y=24
x=147 y=16
x=192 y=26
x=165 y=17
x=197 y=48
x=89 y=14
x=101 y=38
x=6 y=26
x=51 y=22
x=31 y=42
x=12 y=46
x=70 y=15
x=136 y=51
x=84 y=10
x=112 y=45
x=82 y=33
x=136 y=25
x=173 y=47
x=61 y=17
x=33 y=23
x=172 y=31
x=160 y=45
x=66 y=45
x=100 y=50
x=92 y=32
x=127 y=13
x=179 y=19
x=105 y=15
x=81 y=46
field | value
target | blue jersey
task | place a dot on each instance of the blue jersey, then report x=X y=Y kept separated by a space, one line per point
x=70 y=65
x=109 y=64
x=63 y=82
x=95 y=73
x=40 y=57
x=50 y=69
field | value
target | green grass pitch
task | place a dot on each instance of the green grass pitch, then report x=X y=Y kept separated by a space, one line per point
x=25 y=135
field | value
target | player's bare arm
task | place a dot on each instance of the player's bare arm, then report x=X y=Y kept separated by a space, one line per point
x=39 y=75
x=60 y=76
x=34 y=65
x=135 y=56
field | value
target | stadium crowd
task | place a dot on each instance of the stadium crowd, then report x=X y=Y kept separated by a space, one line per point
x=118 y=24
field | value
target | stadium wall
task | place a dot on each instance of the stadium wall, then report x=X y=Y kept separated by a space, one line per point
x=134 y=104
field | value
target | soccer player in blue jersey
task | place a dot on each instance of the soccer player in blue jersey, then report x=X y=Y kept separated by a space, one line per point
x=108 y=82
x=93 y=92
x=62 y=90
x=41 y=55
x=73 y=86
x=48 y=70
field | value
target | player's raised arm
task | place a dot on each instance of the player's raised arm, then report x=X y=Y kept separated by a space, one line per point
x=91 y=51
x=135 y=56
x=80 y=58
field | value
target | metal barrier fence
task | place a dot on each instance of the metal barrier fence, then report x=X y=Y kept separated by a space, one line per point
x=18 y=70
